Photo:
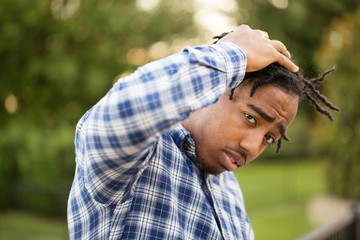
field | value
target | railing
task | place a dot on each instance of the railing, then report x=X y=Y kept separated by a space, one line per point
x=345 y=228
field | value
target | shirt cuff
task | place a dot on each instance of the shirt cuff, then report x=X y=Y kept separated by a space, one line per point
x=235 y=62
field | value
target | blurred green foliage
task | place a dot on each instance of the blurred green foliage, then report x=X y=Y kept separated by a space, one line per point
x=300 y=25
x=341 y=44
x=321 y=34
x=59 y=57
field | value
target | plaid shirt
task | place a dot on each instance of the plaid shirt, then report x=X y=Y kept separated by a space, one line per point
x=137 y=174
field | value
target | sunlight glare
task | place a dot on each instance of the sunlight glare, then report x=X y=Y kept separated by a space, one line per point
x=282 y=4
x=214 y=17
x=147 y=5
x=11 y=104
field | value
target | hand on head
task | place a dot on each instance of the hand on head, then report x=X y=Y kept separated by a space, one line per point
x=259 y=49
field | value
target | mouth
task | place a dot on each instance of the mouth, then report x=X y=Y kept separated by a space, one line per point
x=233 y=161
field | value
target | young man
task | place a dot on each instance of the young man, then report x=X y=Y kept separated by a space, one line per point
x=154 y=156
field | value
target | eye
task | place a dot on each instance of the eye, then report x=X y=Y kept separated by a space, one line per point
x=269 y=139
x=250 y=118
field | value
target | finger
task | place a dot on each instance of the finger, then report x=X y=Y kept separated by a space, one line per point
x=280 y=47
x=286 y=62
x=285 y=56
x=263 y=33
x=244 y=26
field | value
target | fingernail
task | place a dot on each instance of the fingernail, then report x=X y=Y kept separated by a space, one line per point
x=297 y=68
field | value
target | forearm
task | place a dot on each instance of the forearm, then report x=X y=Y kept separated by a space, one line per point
x=115 y=136
x=161 y=94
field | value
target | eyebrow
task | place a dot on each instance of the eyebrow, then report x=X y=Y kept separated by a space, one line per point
x=267 y=117
x=263 y=114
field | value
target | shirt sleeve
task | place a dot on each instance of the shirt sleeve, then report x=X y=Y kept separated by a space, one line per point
x=115 y=136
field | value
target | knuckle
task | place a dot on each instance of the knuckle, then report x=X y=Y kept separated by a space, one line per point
x=244 y=26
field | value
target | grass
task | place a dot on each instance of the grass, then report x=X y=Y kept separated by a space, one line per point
x=283 y=221
x=276 y=195
x=20 y=225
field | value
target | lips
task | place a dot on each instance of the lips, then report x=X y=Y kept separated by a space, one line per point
x=235 y=161
x=232 y=161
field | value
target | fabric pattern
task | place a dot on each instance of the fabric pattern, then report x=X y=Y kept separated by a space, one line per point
x=137 y=175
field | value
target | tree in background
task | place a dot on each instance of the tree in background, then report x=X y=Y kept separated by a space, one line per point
x=341 y=44
x=57 y=58
x=320 y=34
x=300 y=25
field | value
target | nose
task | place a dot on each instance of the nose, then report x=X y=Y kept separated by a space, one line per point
x=252 y=143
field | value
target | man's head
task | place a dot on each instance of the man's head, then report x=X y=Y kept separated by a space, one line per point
x=291 y=83
x=245 y=120
x=233 y=132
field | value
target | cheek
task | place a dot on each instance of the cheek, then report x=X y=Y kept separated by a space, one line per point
x=218 y=118
x=226 y=122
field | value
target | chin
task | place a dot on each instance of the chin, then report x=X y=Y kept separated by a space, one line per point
x=213 y=170
x=211 y=167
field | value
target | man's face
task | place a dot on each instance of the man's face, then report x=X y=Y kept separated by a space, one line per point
x=231 y=133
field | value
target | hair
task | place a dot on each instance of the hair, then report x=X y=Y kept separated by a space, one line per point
x=291 y=83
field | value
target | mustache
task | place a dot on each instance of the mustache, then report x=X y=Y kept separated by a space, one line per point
x=239 y=151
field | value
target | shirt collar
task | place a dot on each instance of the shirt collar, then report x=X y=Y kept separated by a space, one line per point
x=185 y=143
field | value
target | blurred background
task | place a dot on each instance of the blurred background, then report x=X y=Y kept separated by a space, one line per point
x=59 y=57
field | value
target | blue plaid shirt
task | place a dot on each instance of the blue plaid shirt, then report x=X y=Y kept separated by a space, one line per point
x=137 y=174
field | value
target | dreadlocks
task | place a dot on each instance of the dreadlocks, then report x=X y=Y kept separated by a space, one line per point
x=291 y=83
